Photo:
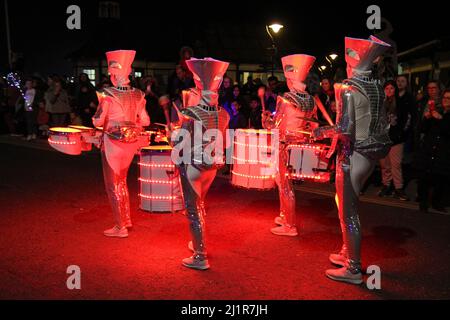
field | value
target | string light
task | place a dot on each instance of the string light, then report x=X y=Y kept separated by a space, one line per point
x=163 y=198
x=14 y=79
x=151 y=165
x=157 y=181
x=305 y=146
x=262 y=177
x=64 y=143
x=243 y=161
x=307 y=177
x=252 y=145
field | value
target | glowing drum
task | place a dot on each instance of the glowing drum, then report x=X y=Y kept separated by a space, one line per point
x=159 y=181
x=308 y=162
x=65 y=140
x=87 y=135
x=254 y=163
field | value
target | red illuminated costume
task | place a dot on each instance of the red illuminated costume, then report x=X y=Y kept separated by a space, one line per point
x=361 y=133
x=122 y=115
x=294 y=109
x=199 y=165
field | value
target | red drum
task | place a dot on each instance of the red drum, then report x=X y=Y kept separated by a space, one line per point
x=308 y=162
x=254 y=162
x=65 y=140
x=160 y=185
x=87 y=135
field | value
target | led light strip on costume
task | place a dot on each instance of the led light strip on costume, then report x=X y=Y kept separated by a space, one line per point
x=253 y=177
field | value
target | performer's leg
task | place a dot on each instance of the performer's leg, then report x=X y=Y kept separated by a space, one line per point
x=286 y=193
x=195 y=184
x=350 y=178
x=117 y=191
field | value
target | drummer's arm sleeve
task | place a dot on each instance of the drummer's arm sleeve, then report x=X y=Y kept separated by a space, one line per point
x=345 y=128
x=144 y=118
x=102 y=110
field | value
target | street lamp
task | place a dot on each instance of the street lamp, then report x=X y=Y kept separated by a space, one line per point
x=275 y=27
x=330 y=58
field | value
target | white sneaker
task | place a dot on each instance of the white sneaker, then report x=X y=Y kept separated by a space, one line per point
x=337 y=259
x=344 y=275
x=281 y=221
x=285 y=231
x=197 y=264
x=116 y=232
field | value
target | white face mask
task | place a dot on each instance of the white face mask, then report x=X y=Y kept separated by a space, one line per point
x=120 y=80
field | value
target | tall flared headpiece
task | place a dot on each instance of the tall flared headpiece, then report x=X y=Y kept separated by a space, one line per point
x=296 y=68
x=208 y=73
x=119 y=63
x=361 y=54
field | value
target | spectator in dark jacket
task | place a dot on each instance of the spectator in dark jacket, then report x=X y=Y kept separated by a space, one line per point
x=431 y=98
x=178 y=82
x=237 y=120
x=226 y=94
x=391 y=166
x=326 y=96
x=255 y=119
x=86 y=103
x=433 y=156
x=407 y=103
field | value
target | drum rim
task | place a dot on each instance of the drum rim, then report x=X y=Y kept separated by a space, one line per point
x=254 y=131
x=82 y=128
x=156 y=149
x=64 y=131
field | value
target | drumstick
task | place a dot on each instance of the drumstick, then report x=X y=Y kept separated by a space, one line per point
x=324 y=112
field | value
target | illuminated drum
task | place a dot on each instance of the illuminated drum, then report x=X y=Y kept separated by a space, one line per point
x=308 y=162
x=65 y=140
x=254 y=162
x=160 y=186
x=87 y=135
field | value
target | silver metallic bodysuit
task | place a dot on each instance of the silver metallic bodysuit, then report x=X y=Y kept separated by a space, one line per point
x=204 y=124
x=291 y=116
x=361 y=131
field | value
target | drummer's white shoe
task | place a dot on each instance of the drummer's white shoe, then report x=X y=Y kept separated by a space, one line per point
x=116 y=232
x=285 y=230
x=197 y=264
x=344 y=275
x=337 y=259
x=281 y=221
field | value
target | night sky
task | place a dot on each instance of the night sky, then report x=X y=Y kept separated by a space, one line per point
x=38 y=29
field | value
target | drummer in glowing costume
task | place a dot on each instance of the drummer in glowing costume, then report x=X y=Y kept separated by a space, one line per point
x=294 y=109
x=362 y=135
x=122 y=115
x=198 y=169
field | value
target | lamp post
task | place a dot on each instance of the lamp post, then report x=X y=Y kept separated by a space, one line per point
x=275 y=27
x=8 y=35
